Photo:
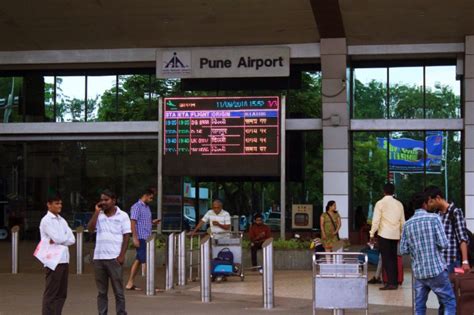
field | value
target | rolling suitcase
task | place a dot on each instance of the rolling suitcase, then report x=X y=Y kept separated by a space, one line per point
x=463 y=286
x=400 y=271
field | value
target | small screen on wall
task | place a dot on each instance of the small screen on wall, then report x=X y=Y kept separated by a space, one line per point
x=221 y=136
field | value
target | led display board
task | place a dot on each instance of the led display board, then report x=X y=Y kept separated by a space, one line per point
x=221 y=136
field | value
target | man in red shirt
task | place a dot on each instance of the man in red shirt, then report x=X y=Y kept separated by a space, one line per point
x=258 y=233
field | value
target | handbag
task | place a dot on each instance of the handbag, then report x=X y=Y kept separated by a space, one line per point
x=334 y=225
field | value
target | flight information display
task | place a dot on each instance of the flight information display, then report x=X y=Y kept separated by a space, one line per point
x=221 y=136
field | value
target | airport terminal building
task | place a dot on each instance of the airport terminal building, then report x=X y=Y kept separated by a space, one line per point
x=358 y=92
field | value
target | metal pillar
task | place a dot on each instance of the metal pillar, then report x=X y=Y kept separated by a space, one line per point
x=267 y=279
x=205 y=269
x=79 y=249
x=15 y=231
x=170 y=262
x=282 y=167
x=182 y=258
x=150 y=265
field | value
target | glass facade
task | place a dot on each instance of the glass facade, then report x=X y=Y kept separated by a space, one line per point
x=406 y=92
x=78 y=170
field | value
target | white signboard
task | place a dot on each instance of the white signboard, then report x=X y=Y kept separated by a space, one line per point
x=225 y=62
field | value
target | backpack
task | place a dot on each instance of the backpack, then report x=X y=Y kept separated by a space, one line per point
x=470 y=245
x=225 y=255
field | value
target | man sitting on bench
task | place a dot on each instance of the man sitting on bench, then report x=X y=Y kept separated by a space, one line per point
x=258 y=233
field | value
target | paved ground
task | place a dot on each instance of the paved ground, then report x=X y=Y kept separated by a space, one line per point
x=21 y=293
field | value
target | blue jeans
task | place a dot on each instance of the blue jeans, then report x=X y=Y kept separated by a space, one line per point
x=441 y=286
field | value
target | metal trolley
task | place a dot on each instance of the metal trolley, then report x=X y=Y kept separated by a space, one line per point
x=340 y=282
x=232 y=241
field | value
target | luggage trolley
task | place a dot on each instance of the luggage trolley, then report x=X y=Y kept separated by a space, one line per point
x=232 y=241
x=340 y=281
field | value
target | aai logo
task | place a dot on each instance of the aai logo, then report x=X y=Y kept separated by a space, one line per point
x=176 y=62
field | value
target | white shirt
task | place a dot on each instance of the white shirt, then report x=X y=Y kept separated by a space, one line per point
x=223 y=218
x=110 y=231
x=55 y=228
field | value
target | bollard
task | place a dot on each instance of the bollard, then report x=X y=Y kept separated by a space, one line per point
x=170 y=263
x=79 y=249
x=267 y=279
x=205 y=269
x=190 y=279
x=150 y=265
x=199 y=259
x=182 y=259
x=15 y=231
x=413 y=301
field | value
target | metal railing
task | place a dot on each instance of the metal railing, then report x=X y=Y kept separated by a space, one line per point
x=15 y=239
x=205 y=269
x=267 y=279
x=79 y=249
x=171 y=245
x=150 y=265
x=182 y=258
x=191 y=264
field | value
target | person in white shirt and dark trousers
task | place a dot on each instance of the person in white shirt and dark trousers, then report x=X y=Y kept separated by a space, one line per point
x=55 y=230
x=113 y=229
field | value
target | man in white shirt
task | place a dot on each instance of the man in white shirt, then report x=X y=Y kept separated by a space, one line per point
x=113 y=233
x=388 y=221
x=218 y=218
x=54 y=230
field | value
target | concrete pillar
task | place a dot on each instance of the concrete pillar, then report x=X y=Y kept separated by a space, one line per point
x=335 y=116
x=469 y=131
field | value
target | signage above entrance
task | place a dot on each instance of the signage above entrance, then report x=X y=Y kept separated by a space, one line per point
x=225 y=62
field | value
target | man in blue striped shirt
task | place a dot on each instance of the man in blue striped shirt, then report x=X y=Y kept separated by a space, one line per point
x=424 y=239
x=140 y=215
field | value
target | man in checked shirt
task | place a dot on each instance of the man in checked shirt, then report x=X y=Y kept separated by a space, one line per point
x=140 y=216
x=456 y=254
x=423 y=238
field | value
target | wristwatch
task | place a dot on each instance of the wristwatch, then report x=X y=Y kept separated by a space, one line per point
x=465 y=262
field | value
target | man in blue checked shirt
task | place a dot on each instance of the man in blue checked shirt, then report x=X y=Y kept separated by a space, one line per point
x=140 y=215
x=456 y=254
x=424 y=239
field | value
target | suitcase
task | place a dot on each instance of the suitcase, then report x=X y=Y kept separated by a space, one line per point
x=463 y=285
x=400 y=271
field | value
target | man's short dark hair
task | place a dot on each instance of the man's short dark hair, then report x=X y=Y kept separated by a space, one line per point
x=218 y=200
x=389 y=189
x=433 y=192
x=109 y=193
x=258 y=216
x=149 y=191
x=418 y=200
x=54 y=197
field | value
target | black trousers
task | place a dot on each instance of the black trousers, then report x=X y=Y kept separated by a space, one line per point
x=253 y=251
x=388 y=250
x=106 y=269
x=55 y=291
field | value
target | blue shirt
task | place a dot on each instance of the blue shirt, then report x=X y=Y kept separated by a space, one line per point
x=424 y=239
x=141 y=213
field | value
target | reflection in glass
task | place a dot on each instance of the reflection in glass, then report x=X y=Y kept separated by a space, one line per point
x=369 y=172
x=442 y=92
x=406 y=92
x=305 y=102
x=70 y=93
x=133 y=97
x=49 y=99
x=370 y=93
x=10 y=90
x=101 y=98
x=79 y=171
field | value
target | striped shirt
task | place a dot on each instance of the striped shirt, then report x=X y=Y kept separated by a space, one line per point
x=454 y=232
x=141 y=214
x=110 y=231
x=423 y=238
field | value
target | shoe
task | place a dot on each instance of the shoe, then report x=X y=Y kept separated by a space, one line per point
x=374 y=281
x=389 y=287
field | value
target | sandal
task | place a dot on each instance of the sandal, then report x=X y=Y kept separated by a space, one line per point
x=133 y=288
